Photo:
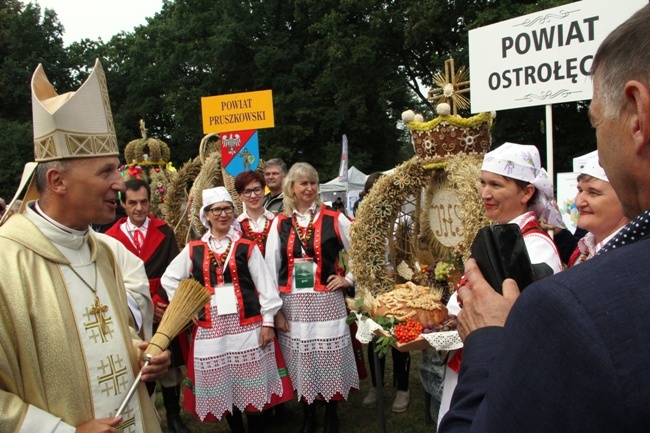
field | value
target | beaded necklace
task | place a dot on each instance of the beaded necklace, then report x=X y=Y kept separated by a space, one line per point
x=304 y=234
x=260 y=237
x=218 y=260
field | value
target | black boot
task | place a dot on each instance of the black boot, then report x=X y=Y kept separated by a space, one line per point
x=235 y=421
x=255 y=422
x=282 y=414
x=173 y=409
x=309 y=420
x=331 y=417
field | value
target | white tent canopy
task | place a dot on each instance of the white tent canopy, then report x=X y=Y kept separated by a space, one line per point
x=356 y=182
x=348 y=191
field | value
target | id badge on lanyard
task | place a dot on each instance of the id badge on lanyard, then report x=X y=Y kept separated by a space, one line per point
x=303 y=271
x=225 y=299
x=304 y=268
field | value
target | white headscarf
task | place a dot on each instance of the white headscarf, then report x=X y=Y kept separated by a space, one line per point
x=522 y=162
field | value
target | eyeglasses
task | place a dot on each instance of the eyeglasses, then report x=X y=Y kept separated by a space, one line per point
x=249 y=192
x=216 y=211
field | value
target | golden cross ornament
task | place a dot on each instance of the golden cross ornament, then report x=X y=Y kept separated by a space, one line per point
x=98 y=310
x=451 y=87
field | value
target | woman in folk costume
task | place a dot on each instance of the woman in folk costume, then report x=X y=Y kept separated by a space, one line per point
x=514 y=188
x=232 y=364
x=302 y=251
x=255 y=221
x=599 y=210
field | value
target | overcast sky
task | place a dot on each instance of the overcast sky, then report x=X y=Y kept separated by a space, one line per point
x=99 y=18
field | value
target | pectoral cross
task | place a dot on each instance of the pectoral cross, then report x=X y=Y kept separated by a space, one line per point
x=98 y=310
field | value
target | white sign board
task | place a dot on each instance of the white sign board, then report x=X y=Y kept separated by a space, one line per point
x=541 y=58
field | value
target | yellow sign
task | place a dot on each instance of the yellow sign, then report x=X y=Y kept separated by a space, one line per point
x=237 y=112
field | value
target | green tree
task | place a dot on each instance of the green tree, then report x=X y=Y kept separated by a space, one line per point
x=325 y=61
x=335 y=67
x=27 y=38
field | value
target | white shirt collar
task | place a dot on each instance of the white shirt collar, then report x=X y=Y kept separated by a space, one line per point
x=588 y=245
x=218 y=246
x=303 y=218
x=266 y=215
x=524 y=219
x=55 y=231
x=132 y=227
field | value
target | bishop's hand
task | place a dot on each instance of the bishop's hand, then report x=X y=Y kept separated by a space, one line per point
x=158 y=365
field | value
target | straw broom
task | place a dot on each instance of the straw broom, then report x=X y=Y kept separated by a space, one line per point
x=188 y=300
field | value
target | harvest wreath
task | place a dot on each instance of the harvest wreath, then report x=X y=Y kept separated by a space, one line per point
x=439 y=186
x=379 y=210
x=431 y=270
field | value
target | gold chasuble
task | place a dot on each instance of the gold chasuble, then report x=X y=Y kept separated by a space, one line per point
x=68 y=349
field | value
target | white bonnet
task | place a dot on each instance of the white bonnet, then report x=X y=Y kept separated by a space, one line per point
x=592 y=167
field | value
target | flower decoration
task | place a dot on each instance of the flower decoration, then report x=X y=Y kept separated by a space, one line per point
x=376 y=262
x=374 y=236
x=469 y=140
x=402 y=181
x=383 y=209
x=135 y=171
x=448 y=90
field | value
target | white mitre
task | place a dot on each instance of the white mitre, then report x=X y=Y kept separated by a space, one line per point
x=68 y=126
x=75 y=124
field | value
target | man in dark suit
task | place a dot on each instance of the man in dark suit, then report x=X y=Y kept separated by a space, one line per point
x=573 y=354
x=154 y=242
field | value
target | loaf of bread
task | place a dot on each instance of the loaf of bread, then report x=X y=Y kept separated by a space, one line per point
x=411 y=300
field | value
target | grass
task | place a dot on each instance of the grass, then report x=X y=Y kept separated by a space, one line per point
x=353 y=416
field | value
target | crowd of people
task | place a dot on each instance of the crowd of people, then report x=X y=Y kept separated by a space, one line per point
x=570 y=353
x=77 y=307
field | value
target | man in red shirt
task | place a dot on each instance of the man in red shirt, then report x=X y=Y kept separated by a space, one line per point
x=154 y=242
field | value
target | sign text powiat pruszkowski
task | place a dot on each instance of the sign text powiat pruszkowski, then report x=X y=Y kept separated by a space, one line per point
x=237 y=111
